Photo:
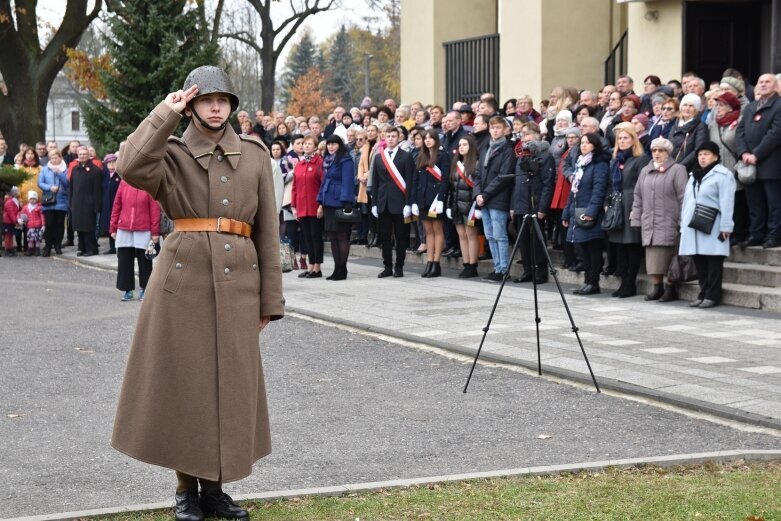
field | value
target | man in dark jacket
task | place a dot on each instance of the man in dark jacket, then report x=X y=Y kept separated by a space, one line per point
x=480 y=133
x=393 y=172
x=5 y=157
x=758 y=142
x=86 y=199
x=493 y=188
x=454 y=132
x=535 y=179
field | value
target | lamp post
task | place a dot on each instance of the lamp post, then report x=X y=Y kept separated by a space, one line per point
x=366 y=59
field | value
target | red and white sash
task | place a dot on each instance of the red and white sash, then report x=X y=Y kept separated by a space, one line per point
x=435 y=171
x=462 y=175
x=470 y=219
x=394 y=172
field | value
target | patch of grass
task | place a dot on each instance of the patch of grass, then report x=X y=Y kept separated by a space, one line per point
x=738 y=490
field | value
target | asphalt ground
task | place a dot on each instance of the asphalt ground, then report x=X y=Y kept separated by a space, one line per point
x=345 y=407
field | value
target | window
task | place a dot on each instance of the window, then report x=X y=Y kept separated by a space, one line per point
x=75 y=121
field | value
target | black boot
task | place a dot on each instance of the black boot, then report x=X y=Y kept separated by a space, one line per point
x=427 y=270
x=187 y=507
x=473 y=273
x=669 y=294
x=630 y=290
x=464 y=273
x=436 y=270
x=47 y=250
x=656 y=293
x=340 y=273
x=216 y=503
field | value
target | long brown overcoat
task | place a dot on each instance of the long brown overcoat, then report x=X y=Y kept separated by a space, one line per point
x=658 y=199
x=193 y=398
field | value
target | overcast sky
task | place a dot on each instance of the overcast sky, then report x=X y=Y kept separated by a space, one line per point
x=323 y=25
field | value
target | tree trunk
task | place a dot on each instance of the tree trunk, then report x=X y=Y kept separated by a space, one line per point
x=26 y=114
x=268 y=79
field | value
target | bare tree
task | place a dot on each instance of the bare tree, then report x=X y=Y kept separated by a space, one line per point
x=273 y=40
x=28 y=69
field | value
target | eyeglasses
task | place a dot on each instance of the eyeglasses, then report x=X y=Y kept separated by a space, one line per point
x=668 y=108
x=658 y=150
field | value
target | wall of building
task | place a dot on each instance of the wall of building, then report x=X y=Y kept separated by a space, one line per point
x=425 y=26
x=655 y=46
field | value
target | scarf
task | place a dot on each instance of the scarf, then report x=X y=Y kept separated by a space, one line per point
x=582 y=162
x=728 y=119
x=328 y=161
x=559 y=132
x=308 y=157
x=617 y=167
x=698 y=172
x=58 y=169
x=493 y=146
x=29 y=162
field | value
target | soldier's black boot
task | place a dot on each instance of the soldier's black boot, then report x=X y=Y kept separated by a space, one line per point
x=216 y=503
x=187 y=507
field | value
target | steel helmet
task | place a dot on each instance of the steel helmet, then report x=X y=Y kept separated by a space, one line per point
x=211 y=79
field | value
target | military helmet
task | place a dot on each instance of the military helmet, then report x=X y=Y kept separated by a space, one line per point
x=211 y=79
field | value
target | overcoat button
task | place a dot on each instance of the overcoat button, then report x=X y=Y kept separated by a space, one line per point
x=220 y=158
x=225 y=202
x=178 y=265
x=224 y=179
x=255 y=267
x=227 y=247
x=227 y=271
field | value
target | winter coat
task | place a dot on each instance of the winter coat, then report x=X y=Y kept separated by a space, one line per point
x=134 y=210
x=542 y=184
x=726 y=139
x=685 y=140
x=592 y=190
x=34 y=215
x=558 y=147
x=717 y=190
x=86 y=196
x=451 y=139
x=338 y=186
x=460 y=198
x=495 y=182
x=657 y=202
x=306 y=185
x=193 y=397
x=482 y=139
x=110 y=187
x=11 y=209
x=427 y=188
x=629 y=176
x=46 y=179
x=386 y=195
x=762 y=137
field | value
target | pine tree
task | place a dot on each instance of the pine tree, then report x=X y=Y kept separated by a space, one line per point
x=340 y=69
x=303 y=57
x=153 y=46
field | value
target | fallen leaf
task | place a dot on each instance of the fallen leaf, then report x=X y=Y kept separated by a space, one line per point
x=13 y=415
x=544 y=436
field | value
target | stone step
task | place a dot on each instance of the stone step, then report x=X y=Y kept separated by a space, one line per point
x=752 y=274
x=740 y=295
x=756 y=255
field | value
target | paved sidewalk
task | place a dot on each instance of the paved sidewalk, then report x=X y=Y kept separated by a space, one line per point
x=726 y=360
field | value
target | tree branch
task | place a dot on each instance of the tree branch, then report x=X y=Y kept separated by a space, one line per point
x=217 y=18
x=244 y=38
x=299 y=18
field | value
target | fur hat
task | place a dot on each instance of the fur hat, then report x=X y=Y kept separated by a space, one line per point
x=693 y=100
x=710 y=146
x=736 y=83
x=565 y=115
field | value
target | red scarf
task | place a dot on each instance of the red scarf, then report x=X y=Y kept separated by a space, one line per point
x=728 y=118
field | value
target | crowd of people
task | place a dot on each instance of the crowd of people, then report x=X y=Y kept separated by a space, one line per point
x=612 y=178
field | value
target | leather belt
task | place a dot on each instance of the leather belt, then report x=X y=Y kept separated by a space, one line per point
x=218 y=224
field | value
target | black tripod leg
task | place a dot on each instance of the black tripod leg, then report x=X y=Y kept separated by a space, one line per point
x=537 y=320
x=541 y=238
x=496 y=303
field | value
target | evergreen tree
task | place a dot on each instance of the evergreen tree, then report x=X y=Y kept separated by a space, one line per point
x=303 y=57
x=339 y=64
x=153 y=46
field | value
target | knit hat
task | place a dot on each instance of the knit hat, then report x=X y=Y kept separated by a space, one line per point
x=634 y=98
x=710 y=146
x=693 y=100
x=109 y=158
x=730 y=99
x=642 y=118
x=663 y=143
x=735 y=83
x=565 y=115
x=573 y=131
x=32 y=194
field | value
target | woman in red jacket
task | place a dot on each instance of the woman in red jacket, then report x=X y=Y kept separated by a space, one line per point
x=135 y=221
x=308 y=176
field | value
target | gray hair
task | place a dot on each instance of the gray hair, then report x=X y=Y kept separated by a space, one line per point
x=663 y=143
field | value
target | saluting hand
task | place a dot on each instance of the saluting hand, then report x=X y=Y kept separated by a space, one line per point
x=178 y=100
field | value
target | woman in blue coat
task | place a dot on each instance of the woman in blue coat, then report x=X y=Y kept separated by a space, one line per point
x=712 y=185
x=429 y=192
x=585 y=209
x=337 y=192
x=53 y=178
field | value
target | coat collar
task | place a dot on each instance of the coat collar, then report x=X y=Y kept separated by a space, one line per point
x=203 y=148
x=769 y=104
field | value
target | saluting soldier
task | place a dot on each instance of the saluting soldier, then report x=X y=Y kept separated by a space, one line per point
x=193 y=398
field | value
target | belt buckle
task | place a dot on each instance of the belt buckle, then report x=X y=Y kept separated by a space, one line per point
x=219 y=224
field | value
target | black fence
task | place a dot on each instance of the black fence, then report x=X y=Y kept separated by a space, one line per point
x=616 y=62
x=471 y=68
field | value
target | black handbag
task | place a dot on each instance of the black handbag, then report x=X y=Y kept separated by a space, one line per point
x=703 y=219
x=351 y=217
x=49 y=199
x=614 y=215
x=582 y=223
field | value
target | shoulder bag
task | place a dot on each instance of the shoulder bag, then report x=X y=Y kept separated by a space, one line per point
x=580 y=222
x=703 y=219
x=351 y=217
x=614 y=215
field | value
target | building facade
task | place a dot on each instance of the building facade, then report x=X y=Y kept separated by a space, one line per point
x=64 y=121
x=455 y=49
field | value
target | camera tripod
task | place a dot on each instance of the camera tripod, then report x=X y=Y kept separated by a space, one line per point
x=530 y=221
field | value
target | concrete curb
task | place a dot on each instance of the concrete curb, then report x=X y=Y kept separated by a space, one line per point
x=661 y=461
x=584 y=378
